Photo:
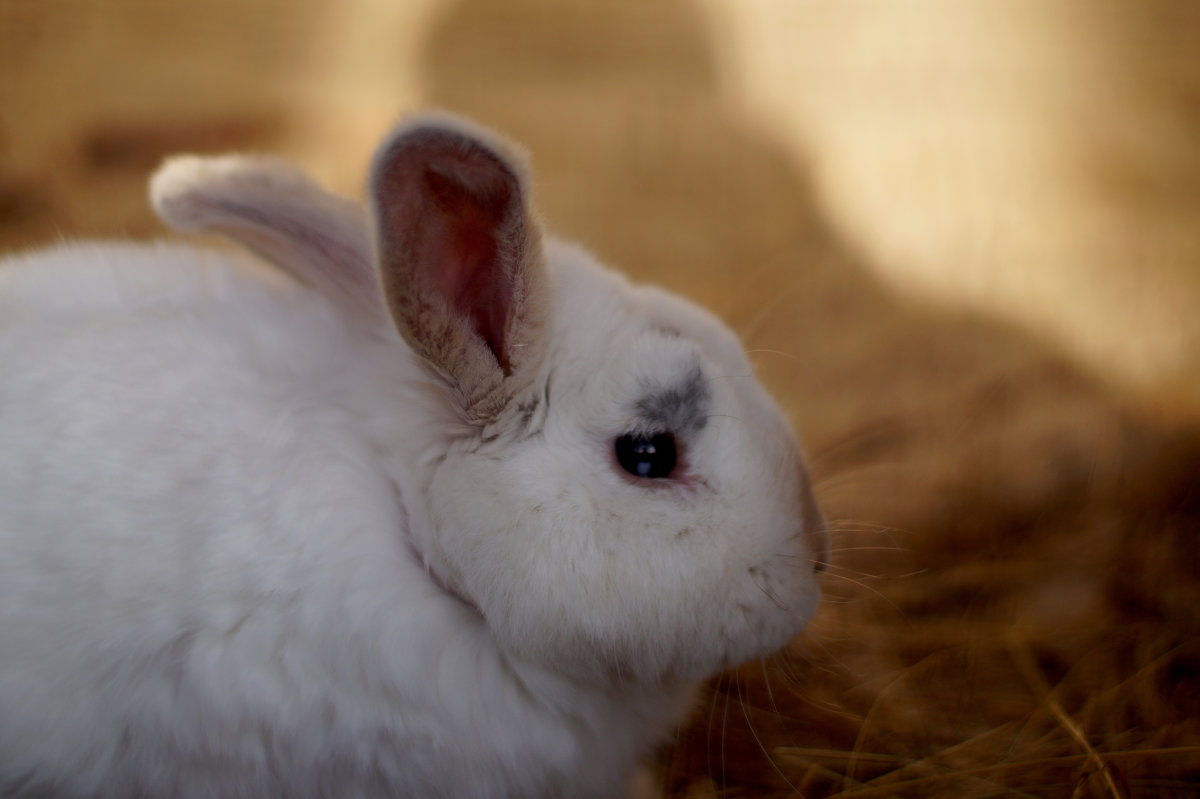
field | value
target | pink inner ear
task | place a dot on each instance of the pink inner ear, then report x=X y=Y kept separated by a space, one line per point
x=452 y=223
x=464 y=259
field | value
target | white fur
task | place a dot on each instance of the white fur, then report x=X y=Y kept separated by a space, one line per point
x=248 y=547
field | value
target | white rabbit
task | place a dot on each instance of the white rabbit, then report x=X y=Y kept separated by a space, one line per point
x=425 y=507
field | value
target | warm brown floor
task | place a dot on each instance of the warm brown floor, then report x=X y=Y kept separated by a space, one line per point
x=1014 y=605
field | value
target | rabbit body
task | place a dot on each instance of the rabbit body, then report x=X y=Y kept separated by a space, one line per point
x=258 y=540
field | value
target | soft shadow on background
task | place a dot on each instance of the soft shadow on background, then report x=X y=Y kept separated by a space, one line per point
x=962 y=241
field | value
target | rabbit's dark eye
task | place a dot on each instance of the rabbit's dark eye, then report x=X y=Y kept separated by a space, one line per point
x=647 y=456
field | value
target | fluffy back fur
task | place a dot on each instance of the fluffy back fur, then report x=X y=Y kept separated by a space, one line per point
x=358 y=524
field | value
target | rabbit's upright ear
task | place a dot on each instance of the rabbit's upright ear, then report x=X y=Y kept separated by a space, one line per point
x=272 y=208
x=460 y=257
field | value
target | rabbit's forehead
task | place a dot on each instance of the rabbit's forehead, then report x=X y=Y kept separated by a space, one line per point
x=654 y=362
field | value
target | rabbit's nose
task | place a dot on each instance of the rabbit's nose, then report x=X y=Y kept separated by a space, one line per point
x=817 y=530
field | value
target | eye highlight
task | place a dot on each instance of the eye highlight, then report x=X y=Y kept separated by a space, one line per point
x=652 y=456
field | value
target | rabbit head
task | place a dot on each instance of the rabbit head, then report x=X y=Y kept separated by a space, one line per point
x=611 y=488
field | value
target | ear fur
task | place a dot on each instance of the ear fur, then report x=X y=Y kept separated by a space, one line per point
x=273 y=209
x=460 y=257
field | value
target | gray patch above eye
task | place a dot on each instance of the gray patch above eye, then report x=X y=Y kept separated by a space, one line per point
x=680 y=407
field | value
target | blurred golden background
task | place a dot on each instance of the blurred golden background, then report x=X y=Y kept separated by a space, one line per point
x=962 y=238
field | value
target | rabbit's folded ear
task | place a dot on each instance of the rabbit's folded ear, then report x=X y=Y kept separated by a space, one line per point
x=460 y=257
x=270 y=207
